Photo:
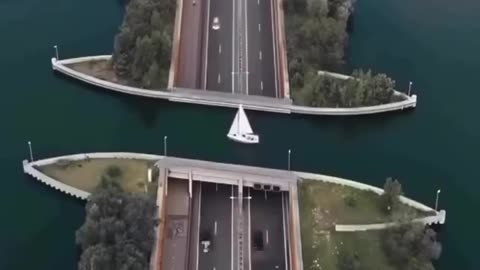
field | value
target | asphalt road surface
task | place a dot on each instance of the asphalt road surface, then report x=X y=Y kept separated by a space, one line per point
x=218 y=45
x=267 y=217
x=239 y=57
x=261 y=63
x=215 y=219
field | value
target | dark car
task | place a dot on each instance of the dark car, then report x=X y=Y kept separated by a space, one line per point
x=258 y=240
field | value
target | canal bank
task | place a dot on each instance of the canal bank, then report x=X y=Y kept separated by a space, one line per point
x=433 y=147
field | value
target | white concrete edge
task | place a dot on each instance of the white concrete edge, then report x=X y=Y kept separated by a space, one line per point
x=439 y=218
x=29 y=168
x=61 y=67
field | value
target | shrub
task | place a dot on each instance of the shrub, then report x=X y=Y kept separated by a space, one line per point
x=113 y=172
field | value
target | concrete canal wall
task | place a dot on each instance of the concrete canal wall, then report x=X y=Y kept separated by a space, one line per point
x=201 y=97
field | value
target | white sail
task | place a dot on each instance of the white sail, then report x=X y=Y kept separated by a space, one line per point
x=234 y=127
x=244 y=124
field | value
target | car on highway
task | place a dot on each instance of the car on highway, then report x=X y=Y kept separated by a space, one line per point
x=206 y=241
x=258 y=240
x=216 y=23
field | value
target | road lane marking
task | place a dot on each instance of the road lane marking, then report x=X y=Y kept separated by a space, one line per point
x=233 y=59
x=274 y=39
x=219 y=79
x=246 y=41
x=231 y=244
x=220 y=48
x=249 y=234
x=198 y=225
x=284 y=221
x=260 y=55
x=259 y=27
x=261 y=85
x=215 y=228
x=266 y=236
x=206 y=49
x=258 y=2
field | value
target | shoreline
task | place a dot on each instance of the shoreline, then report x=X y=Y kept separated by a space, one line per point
x=211 y=98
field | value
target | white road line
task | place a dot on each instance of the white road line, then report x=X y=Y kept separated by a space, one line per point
x=206 y=49
x=231 y=258
x=258 y=2
x=233 y=58
x=215 y=228
x=274 y=38
x=260 y=55
x=249 y=235
x=259 y=27
x=246 y=41
x=261 y=85
x=284 y=216
x=266 y=236
x=220 y=48
x=198 y=226
x=219 y=79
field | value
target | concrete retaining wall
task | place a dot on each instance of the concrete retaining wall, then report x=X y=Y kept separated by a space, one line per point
x=29 y=168
x=437 y=219
x=61 y=67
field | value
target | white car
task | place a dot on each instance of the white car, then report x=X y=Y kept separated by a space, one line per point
x=216 y=23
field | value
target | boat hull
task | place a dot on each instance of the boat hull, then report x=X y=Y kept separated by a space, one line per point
x=248 y=138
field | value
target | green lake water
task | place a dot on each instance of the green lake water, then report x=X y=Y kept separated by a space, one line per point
x=433 y=43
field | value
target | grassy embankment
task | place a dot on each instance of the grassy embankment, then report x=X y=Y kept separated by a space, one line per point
x=86 y=175
x=322 y=205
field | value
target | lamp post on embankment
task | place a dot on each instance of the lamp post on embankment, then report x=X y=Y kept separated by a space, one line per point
x=165 y=145
x=289 y=154
x=30 y=150
x=436 y=200
x=56 y=52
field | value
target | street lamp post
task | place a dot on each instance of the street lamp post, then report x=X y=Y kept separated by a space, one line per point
x=436 y=200
x=165 y=145
x=289 y=154
x=409 y=88
x=56 y=52
x=30 y=150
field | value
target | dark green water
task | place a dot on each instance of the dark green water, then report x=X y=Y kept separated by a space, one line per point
x=433 y=43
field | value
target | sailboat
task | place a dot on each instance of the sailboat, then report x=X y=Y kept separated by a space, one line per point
x=241 y=131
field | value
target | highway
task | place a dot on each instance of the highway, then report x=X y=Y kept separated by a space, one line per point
x=267 y=216
x=239 y=57
x=215 y=219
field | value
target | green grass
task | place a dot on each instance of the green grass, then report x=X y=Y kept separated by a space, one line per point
x=87 y=174
x=322 y=205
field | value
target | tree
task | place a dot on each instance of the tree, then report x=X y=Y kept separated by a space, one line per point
x=97 y=257
x=392 y=189
x=411 y=245
x=118 y=232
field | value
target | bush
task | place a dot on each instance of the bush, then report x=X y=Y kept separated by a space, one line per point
x=350 y=201
x=389 y=200
x=411 y=246
x=113 y=172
